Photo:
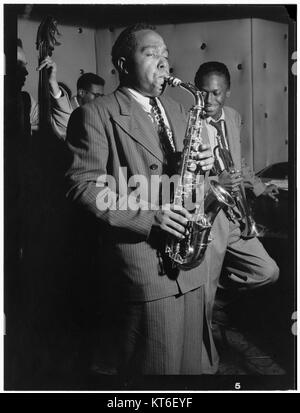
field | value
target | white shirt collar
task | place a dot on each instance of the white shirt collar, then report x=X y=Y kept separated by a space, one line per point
x=141 y=99
x=144 y=101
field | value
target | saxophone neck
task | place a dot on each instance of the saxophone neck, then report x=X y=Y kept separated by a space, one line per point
x=198 y=95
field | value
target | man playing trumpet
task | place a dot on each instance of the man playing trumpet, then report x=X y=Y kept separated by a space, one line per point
x=238 y=250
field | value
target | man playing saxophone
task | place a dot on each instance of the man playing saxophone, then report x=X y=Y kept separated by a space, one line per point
x=234 y=242
x=136 y=130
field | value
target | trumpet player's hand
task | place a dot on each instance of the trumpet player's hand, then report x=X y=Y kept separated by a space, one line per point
x=230 y=181
x=172 y=220
x=204 y=157
x=271 y=191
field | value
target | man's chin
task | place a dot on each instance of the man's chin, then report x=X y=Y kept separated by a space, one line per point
x=210 y=113
x=163 y=87
x=159 y=89
x=157 y=92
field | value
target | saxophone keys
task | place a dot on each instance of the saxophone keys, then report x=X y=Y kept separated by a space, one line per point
x=196 y=147
x=191 y=250
x=189 y=176
x=192 y=166
x=194 y=153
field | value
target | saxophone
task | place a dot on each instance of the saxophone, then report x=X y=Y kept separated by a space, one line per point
x=248 y=229
x=210 y=195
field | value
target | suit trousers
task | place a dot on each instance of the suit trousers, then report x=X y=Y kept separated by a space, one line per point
x=168 y=336
x=246 y=263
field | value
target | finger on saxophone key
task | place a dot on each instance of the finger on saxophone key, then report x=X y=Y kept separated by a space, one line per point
x=205 y=157
x=182 y=211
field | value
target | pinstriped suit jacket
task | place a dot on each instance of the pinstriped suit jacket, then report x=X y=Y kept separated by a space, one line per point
x=111 y=133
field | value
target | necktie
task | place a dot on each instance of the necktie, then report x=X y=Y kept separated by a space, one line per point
x=220 y=136
x=164 y=132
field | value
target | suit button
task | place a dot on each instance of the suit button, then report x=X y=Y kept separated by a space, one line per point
x=153 y=167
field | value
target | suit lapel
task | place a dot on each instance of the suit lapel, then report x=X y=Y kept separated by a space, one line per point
x=135 y=122
x=177 y=126
x=232 y=137
x=204 y=135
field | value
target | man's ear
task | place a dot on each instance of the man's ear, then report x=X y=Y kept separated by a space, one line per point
x=123 y=66
x=80 y=92
x=228 y=93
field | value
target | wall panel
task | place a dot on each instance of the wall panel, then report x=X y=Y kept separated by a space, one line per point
x=224 y=41
x=270 y=94
x=190 y=45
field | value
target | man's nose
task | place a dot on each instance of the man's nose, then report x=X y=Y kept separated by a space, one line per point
x=209 y=98
x=163 y=63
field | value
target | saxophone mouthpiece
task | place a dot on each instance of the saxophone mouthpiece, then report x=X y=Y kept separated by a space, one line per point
x=173 y=81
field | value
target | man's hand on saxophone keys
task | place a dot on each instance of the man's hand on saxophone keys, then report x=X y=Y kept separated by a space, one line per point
x=204 y=157
x=172 y=220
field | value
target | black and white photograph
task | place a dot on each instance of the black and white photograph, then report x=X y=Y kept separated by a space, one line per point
x=149 y=197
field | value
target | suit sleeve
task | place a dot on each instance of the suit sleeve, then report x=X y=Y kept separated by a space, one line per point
x=250 y=179
x=61 y=110
x=34 y=114
x=88 y=145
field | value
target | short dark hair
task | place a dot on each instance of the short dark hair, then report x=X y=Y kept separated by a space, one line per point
x=209 y=68
x=88 y=79
x=126 y=42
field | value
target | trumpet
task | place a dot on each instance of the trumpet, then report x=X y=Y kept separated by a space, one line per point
x=248 y=228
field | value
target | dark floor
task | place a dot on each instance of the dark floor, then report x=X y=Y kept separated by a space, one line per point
x=253 y=335
x=240 y=355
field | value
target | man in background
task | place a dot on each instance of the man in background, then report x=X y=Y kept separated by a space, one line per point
x=89 y=87
x=31 y=178
x=28 y=110
x=247 y=262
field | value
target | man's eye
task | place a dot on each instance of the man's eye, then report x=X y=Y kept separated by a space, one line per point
x=152 y=54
